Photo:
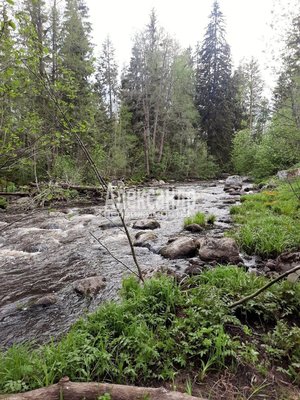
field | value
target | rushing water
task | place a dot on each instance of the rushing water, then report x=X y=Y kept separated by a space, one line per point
x=50 y=250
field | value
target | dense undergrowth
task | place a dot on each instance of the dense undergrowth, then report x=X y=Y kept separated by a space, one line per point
x=269 y=221
x=162 y=328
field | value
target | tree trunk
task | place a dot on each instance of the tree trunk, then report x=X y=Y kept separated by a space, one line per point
x=91 y=391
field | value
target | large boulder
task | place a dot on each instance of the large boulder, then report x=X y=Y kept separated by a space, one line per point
x=179 y=248
x=89 y=286
x=288 y=174
x=234 y=182
x=146 y=224
x=224 y=250
x=287 y=261
x=143 y=238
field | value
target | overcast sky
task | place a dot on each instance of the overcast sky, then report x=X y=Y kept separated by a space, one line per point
x=247 y=21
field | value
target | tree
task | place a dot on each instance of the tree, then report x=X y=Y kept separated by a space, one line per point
x=250 y=95
x=214 y=88
x=147 y=88
x=107 y=77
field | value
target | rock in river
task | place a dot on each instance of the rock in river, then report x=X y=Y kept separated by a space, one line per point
x=89 y=286
x=146 y=224
x=142 y=239
x=179 y=248
x=194 y=228
x=223 y=250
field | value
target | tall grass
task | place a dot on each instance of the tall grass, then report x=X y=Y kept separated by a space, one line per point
x=269 y=222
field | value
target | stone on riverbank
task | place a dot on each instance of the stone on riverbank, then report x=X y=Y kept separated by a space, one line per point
x=89 y=286
x=179 y=248
x=223 y=250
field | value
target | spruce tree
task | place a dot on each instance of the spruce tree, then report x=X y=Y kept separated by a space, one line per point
x=214 y=88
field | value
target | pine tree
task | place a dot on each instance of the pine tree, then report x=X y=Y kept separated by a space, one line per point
x=107 y=77
x=77 y=58
x=214 y=88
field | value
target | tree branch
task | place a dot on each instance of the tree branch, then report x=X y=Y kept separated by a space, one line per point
x=262 y=289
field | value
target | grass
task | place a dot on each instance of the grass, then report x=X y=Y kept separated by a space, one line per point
x=269 y=222
x=200 y=219
x=162 y=328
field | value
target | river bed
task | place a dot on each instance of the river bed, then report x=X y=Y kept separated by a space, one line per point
x=47 y=252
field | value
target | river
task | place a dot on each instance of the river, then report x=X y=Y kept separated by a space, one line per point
x=47 y=252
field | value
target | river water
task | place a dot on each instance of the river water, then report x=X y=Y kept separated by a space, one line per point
x=48 y=251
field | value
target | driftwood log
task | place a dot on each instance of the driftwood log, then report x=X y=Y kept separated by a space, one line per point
x=17 y=194
x=79 y=188
x=68 y=390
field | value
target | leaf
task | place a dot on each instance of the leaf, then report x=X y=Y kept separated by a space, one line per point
x=10 y=2
x=12 y=24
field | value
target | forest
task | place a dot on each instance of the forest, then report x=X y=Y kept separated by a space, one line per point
x=171 y=113
x=149 y=214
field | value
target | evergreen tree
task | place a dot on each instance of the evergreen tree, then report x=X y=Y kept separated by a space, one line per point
x=214 y=88
x=107 y=77
x=77 y=59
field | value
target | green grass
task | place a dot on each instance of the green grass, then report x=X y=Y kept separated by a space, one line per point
x=269 y=221
x=200 y=219
x=161 y=328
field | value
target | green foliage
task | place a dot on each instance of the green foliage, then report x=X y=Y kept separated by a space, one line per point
x=278 y=148
x=160 y=328
x=270 y=221
x=243 y=153
x=201 y=219
x=3 y=203
x=66 y=169
x=283 y=343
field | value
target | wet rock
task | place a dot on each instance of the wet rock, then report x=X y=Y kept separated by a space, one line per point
x=86 y=211
x=46 y=301
x=225 y=220
x=287 y=174
x=287 y=261
x=161 y=182
x=179 y=248
x=146 y=224
x=234 y=192
x=50 y=226
x=180 y=197
x=223 y=250
x=271 y=265
x=194 y=228
x=35 y=248
x=195 y=268
x=90 y=286
x=229 y=201
x=233 y=182
x=142 y=239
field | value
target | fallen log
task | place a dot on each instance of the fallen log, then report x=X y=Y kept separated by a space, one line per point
x=67 y=390
x=17 y=194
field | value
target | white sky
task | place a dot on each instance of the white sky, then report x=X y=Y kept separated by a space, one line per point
x=247 y=24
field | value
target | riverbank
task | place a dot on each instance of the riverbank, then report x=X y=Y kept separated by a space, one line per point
x=178 y=331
